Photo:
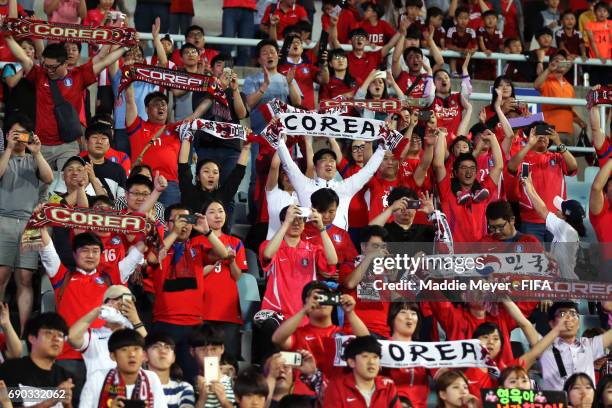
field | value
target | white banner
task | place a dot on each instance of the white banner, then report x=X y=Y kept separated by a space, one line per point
x=439 y=354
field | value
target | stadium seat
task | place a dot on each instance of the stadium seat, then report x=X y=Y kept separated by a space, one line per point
x=249 y=297
x=579 y=191
x=253 y=264
x=240 y=230
x=47 y=302
x=590 y=173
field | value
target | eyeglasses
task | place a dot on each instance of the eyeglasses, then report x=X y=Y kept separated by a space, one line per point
x=162 y=346
x=339 y=57
x=51 y=68
x=191 y=51
x=359 y=37
x=195 y=34
x=571 y=313
x=49 y=333
x=495 y=228
x=358 y=148
x=137 y=194
x=466 y=168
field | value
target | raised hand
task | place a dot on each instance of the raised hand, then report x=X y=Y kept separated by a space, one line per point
x=156 y=27
x=160 y=182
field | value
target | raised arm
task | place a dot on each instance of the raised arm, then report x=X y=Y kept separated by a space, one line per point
x=131 y=109
x=439 y=157
x=435 y=51
x=282 y=335
x=356 y=182
x=382 y=218
x=597 y=133
x=464 y=125
x=517 y=159
x=310 y=167
x=597 y=199
x=396 y=66
x=272 y=180
x=348 y=305
x=328 y=246
x=273 y=245
x=162 y=58
x=291 y=168
x=521 y=321
x=498 y=161
x=420 y=173
x=536 y=201
x=392 y=43
x=160 y=183
x=503 y=120
x=530 y=357
x=108 y=59
x=20 y=55
x=539 y=81
x=79 y=328
x=14 y=347
x=333 y=144
x=333 y=32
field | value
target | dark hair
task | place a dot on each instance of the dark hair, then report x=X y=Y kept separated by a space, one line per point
x=201 y=164
x=543 y=31
x=506 y=372
x=26 y=40
x=433 y=12
x=413 y=32
x=22 y=119
x=310 y=286
x=601 y=5
x=140 y=180
x=303 y=26
x=157 y=337
x=489 y=13
x=321 y=152
x=461 y=10
x=219 y=57
x=125 y=338
x=358 y=31
x=194 y=28
x=85 y=239
x=559 y=52
x=323 y=198
x=414 y=3
x=560 y=305
x=496 y=84
x=572 y=380
x=155 y=95
x=362 y=344
x=284 y=51
x=486 y=328
x=175 y=207
x=510 y=40
x=370 y=231
x=409 y=50
x=101 y=199
x=98 y=129
x=283 y=213
x=205 y=335
x=348 y=79
x=566 y=12
x=593 y=332
x=56 y=51
x=499 y=209
x=296 y=401
x=49 y=320
x=251 y=382
x=401 y=192
x=265 y=42
x=599 y=391
x=188 y=46
x=477 y=129
x=461 y=139
x=103 y=119
x=377 y=8
x=461 y=158
x=138 y=168
x=397 y=307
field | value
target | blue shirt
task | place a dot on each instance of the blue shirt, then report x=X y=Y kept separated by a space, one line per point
x=141 y=90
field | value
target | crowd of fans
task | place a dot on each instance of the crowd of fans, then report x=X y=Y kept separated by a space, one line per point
x=154 y=319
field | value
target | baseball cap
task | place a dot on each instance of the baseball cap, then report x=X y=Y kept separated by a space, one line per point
x=116 y=291
x=571 y=209
x=73 y=159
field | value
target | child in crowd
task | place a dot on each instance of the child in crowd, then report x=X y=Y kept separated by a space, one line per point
x=460 y=37
x=251 y=389
x=544 y=38
x=568 y=38
x=340 y=80
x=433 y=24
x=489 y=41
x=380 y=32
x=453 y=392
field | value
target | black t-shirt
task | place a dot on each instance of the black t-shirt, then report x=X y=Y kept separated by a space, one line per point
x=21 y=372
x=111 y=171
x=416 y=233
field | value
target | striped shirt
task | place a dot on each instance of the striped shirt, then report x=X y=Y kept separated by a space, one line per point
x=213 y=402
x=179 y=394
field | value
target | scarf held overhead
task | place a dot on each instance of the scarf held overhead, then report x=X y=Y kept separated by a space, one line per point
x=25 y=27
x=221 y=130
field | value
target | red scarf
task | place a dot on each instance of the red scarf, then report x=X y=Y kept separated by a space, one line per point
x=114 y=386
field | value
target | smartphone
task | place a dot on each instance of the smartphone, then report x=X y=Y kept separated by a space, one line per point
x=328 y=298
x=306 y=212
x=414 y=204
x=322 y=44
x=211 y=369
x=381 y=75
x=125 y=298
x=425 y=115
x=565 y=64
x=25 y=137
x=335 y=12
x=129 y=403
x=190 y=218
x=542 y=130
x=524 y=170
x=291 y=358
x=227 y=71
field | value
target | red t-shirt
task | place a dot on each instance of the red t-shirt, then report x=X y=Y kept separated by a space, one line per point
x=405 y=80
x=182 y=6
x=467 y=221
x=378 y=34
x=358 y=207
x=5 y=52
x=81 y=294
x=221 y=300
x=289 y=270
x=175 y=303
x=343 y=392
x=162 y=156
x=305 y=76
x=206 y=55
x=604 y=153
x=116 y=156
x=247 y=4
x=340 y=238
x=479 y=379
x=95 y=17
x=449 y=112
x=602 y=223
x=71 y=87
x=492 y=41
x=379 y=192
x=320 y=342
x=115 y=249
x=465 y=40
x=476 y=14
x=346 y=23
x=572 y=42
x=548 y=171
x=510 y=20
x=360 y=68
x=288 y=18
x=335 y=87
x=412 y=383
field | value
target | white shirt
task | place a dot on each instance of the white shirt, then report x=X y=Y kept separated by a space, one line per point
x=564 y=245
x=346 y=189
x=90 y=395
x=278 y=199
x=95 y=350
x=577 y=357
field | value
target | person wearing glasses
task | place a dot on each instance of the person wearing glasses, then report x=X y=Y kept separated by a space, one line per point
x=569 y=353
x=195 y=35
x=500 y=224
x=45 y=333
x=71 y=85
x=160 y=359
x=118 y=311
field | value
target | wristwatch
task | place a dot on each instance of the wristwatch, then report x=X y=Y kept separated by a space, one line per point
x=562 y=148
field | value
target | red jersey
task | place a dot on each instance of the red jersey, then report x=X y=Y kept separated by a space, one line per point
x=179 y=283
x=95 y=17
x=206 y=56
x=223 y=305
x=372 y=313
x=71 y=87
x=492 y=41
x=360 y=67
x=115 y=156
x=467 y=221
x=182 y=7
x=342 y=392
x=459 y=324
x=247 y=4
x=5 y=52
x=346 y=23
x=305 y=76
x=289 y=270
x=379 y=192
x=571 y=41
x=378 y=34
x=163 y=153
x=358 y=207
x=340 y=238
x=82 y=293
x=412 y=383
x=508 y=8
x=479 y=379
x=405 y=81
x=286 y=18
x=335 y=87
x=604 y=153
x=449 y=112
x=602 y=222
x=320 y=342
x=115 y=249
x=464 y=40
x=439 y=36
x=476 y=14
x=548 y=171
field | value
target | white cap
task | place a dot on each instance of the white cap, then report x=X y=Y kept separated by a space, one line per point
x=558 y=202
